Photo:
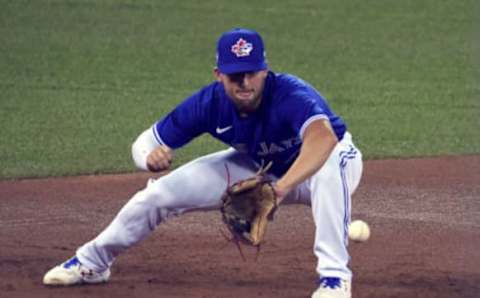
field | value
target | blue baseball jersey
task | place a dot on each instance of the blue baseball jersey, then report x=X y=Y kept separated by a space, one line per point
x=272 y=133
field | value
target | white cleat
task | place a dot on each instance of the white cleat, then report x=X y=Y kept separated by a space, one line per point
x=72 y=272
x=333 y=287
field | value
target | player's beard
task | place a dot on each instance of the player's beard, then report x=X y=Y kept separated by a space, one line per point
x=246 y=100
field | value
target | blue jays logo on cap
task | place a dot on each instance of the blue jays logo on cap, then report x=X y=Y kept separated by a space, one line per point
x=240 y=50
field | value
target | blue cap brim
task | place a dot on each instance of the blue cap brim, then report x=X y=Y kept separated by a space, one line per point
x=242 y=67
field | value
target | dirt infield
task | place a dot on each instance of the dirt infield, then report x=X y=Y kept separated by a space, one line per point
x=424 y=215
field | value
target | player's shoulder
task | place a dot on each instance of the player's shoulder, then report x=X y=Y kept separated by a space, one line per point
x=283 y=79
x=286 y=83
x=289 y=86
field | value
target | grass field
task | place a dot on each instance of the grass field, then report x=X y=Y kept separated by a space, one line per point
x=80 y=79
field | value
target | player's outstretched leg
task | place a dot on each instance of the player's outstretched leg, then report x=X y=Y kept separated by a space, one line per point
x=194 y=186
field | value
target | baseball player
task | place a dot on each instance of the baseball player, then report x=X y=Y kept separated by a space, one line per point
x=264 y=117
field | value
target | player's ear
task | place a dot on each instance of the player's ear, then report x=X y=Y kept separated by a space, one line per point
x=265 y=73
x=217 y=74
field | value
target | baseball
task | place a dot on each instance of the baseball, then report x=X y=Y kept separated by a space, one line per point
x=359 y=231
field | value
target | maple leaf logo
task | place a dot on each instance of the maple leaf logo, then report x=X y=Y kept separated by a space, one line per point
x=242 y=48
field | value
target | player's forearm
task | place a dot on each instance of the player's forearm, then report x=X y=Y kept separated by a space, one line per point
x=319 y=141
x=308 y=162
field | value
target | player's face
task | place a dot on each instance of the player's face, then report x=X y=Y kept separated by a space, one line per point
x=244 y=88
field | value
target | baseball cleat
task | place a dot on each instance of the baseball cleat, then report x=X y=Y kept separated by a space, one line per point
x=72 y=272
x=333 y=287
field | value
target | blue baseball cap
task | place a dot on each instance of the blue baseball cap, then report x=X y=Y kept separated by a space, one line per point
x=240 y=50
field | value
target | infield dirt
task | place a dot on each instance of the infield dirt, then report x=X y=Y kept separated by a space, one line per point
x=423 y=213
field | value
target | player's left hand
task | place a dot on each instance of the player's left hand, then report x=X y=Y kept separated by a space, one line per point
x=247 y=206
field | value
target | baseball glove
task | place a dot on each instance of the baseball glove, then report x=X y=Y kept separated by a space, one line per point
x=247 y=207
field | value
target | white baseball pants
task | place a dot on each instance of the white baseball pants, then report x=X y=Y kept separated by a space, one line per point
x=199 y=184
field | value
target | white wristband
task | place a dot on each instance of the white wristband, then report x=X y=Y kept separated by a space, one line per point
x=141 y=148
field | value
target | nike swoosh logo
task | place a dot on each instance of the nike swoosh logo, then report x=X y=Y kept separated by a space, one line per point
x=222 y=130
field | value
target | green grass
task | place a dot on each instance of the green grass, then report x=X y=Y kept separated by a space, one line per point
x=79 y=80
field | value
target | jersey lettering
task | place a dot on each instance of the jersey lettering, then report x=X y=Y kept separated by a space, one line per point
x=272 y=148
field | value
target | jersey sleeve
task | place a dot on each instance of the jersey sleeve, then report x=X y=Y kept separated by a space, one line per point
x=185 y=122
x=303 y=109
x=305 y=106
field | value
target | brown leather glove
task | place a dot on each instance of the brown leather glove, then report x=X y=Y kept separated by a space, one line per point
x=247 y=207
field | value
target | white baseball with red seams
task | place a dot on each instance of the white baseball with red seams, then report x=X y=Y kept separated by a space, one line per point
x=359 y=231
